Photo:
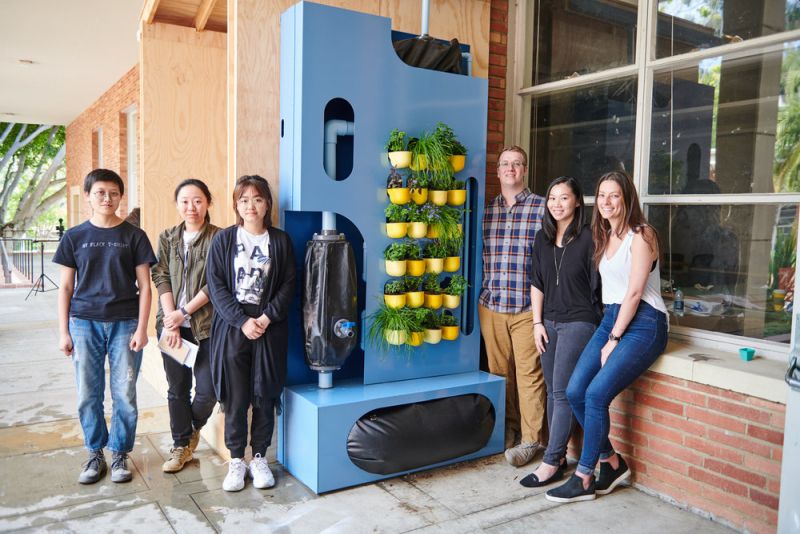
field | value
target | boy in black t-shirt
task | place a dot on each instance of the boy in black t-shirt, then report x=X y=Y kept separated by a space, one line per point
x=103 y=308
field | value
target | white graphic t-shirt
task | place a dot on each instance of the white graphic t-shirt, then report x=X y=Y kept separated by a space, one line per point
x=252 y=264
x=188 y=237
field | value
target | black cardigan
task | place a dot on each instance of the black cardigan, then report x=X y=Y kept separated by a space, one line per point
x=269 y=365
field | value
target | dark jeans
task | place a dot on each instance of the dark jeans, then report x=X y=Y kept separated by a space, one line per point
x=592 y=387
x=185 y=413
x=567 y=341
x=239 y=377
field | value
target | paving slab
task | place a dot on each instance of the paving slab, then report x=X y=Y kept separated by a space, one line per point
x=143 y=518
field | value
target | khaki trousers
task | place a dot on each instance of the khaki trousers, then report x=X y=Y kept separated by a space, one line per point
x=512 y=354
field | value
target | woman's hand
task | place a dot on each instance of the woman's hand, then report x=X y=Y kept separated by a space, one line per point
x=263 y=321
x=606 y=351
x=173 y=320
x=173 y=337
x=540 y=337
x=252 y=329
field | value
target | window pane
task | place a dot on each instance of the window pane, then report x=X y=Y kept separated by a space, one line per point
x=728 y=126
x=582 y=133
x=731 y=262
x=686 y=25
x=581 y=36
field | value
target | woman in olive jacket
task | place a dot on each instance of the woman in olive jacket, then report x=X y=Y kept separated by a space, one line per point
x=251 y=278
x=184 y=312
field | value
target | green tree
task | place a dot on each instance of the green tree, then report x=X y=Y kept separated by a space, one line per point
x=786 y=170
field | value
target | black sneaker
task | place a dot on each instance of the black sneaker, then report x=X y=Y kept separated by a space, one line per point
x=94 y=468
x=119 y=468
x=610 y=478
x=572 y=491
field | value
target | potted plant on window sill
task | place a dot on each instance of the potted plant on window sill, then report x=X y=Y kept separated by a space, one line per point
x=453 y=291
x=395 y=259
x=394 y=188
x=399 y=155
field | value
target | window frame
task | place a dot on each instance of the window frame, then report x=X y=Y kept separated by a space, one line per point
x=520 y=94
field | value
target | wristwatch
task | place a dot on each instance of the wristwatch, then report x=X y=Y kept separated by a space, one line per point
x=186 y=314
x=612 y=337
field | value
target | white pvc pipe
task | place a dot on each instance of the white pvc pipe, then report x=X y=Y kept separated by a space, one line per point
x=426 y=8
x=333 y=129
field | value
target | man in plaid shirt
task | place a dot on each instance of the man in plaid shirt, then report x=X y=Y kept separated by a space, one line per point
x=510 y=223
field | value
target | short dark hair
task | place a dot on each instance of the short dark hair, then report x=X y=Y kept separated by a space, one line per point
x=259 y=184
x=201 y=185
x=103 y=175
x=578 y=218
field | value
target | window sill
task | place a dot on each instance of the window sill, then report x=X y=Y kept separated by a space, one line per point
x=760 y=377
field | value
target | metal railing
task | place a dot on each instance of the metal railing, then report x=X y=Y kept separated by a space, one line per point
x=21 y=253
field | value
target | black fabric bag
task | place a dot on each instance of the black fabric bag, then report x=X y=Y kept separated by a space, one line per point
x=427 y=53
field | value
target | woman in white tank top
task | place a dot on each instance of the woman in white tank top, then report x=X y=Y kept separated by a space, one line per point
x=631 y=336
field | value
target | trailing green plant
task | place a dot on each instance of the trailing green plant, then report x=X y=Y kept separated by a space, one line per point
x=394 y=287
x=457 y=149
x=439 y=171
x=457 y=285
x=431 y=284
x=384 y=319
x=413 y=250
x=395 y=252
x=431 y=320
x=448 y=139
x=435 y=249
x=447 y=319
x=453 y=246
x=446 y=223
x=394 y=180
x=396 y=213
x=412 y=283
x=397 y=141
x=783 y=255
x=417 y=318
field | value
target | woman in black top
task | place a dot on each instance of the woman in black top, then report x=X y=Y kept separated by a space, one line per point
x=566 y=312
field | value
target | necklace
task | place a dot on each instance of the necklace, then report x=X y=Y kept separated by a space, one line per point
x=557 y=264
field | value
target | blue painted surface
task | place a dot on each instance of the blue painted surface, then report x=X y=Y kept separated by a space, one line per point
x=329 y=53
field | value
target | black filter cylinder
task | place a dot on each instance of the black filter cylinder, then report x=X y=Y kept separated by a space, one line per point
x=402 y=438
x=329 y=302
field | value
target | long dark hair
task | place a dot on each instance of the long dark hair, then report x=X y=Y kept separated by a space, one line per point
x=199 y=184
x=259 y=184
x=549 y=225
x=632 y=216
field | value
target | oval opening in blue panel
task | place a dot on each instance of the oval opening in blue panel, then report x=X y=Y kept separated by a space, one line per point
x=337 y=139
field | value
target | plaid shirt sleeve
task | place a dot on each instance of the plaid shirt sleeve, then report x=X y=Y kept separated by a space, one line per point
x=508 y=234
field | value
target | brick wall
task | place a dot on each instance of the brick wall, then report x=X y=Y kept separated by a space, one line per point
x=498 y=54
x=106 y=113
x=713 y=450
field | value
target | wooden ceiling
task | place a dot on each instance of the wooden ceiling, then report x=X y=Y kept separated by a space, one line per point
x=199 y=14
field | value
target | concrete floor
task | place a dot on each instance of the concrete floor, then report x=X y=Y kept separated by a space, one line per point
x=41 y=454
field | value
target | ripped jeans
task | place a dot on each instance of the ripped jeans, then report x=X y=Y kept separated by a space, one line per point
x=92 y=341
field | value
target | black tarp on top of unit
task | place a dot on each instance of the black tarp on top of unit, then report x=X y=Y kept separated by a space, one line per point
x=426 y=53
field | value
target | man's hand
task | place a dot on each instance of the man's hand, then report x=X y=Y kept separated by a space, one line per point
x=139 y=340
x=65 y=344
x=252 y=329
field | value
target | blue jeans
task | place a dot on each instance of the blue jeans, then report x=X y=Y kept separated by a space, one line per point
x=92 y=340
x=592 y=387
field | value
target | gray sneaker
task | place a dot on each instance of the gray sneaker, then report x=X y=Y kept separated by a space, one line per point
x=522 y=453
x=94 y=468
x=119 y=468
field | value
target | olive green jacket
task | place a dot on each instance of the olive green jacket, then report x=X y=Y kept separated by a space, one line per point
x=168 y=274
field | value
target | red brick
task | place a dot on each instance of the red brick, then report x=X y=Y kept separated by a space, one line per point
x=679 y=452
x=774 y=486
x=741 y=505
x=682 y=482
x=684 y=395
x=717 y=391
x=715 y=419
x=739 y=442
x=497 y=71
x=736 y=473
x=739 y=410
x=497 y=94
x=651 y=429
x=496 y=37
x=497 y=49
x=652 y=457
x=770 y=468
x=619 y=418
x=725 y=484
x=636 y=465
x=665 y=378
x=659 y=403
x=761 y=403
x=494 y=136
x=765 y=434
x=766 y=499
x=714 y=450
x=759 y=527
x=778 y=420
x=777 y=454
x=680 y=423
x=642 y=384
x=497 y=26
x=732 y=395
x=625 y=433
x=497 y=83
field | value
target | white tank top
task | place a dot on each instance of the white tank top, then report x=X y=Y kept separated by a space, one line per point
x=616 y=273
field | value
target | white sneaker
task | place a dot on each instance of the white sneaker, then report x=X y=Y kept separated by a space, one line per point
x=234 y=480
x=259 y=471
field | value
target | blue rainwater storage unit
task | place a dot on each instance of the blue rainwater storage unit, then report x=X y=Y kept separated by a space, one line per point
x=389 y=412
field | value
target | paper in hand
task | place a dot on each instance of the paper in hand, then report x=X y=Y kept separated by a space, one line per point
x=186 y=354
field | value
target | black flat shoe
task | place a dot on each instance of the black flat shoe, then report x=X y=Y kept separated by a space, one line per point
x=610 y=478
x=532 y=481
x=572 y=491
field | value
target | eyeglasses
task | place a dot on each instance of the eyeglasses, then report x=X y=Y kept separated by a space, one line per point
x=99 y=195
x=255 y=201
x=515 y=164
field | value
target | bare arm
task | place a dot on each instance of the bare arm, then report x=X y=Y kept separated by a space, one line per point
x=65 y=291
x=139 y=339
x=539 y=331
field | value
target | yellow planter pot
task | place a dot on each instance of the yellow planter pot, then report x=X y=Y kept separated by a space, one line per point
x=396 y=268
x=452 y=264
x=417 y=230
x=433 y=265
x=419 y=196
x=456 y=197
x=415 y=339
x=449 y=301
x=395 y=301
x=395 y=337
x=419 y=163
x=458 y=162
x=432 y=336
x=400 y=159
x=432 y=301
x=437 y=197
x=415 y=267
x=449 y=332
x=433 y=232
x=460 y=228
x=415 y=299
x=399 y=195
x=396 y=230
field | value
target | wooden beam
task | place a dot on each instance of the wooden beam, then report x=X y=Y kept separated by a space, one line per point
x=203 y=12
x=149 y=11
